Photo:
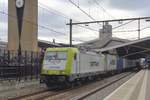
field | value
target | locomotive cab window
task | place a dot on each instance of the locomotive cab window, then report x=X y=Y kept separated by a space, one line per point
x=56 y=56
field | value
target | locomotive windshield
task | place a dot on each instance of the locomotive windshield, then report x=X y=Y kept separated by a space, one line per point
x=55 y=60
x=56 y=55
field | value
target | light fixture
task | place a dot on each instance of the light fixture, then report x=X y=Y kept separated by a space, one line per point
x=147 y=20
x=86 y=24
x=120 y=22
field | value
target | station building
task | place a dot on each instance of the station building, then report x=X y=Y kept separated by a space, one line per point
x=105 y=39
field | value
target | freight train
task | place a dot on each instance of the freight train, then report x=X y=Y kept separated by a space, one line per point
x=63 y=66
x=147 y=61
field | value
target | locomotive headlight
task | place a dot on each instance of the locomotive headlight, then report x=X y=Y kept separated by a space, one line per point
x=44 y=71
x=63 y=72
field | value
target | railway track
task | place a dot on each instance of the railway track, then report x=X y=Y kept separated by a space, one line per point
x=39 y=95
x=87 y=90
x=28 y=95
x=101 y=88
x=64 y=94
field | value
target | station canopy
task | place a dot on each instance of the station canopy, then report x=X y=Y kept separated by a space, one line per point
x=131 y=50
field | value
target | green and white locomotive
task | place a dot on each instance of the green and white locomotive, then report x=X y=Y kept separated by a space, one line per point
x=66 y=65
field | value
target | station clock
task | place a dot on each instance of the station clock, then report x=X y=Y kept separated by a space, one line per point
x=19 y=3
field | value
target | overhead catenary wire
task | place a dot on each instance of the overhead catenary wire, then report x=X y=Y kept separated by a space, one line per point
x=45 y=11
x=125 y=31
x=133 y=30
x=145 y=28
x=53 y=30
x=104 y=9
x=113 y=20
x=81 y=10
x=48 y=9
x=113 y=28
x=41 y=26
x=106 y=12
x=123 y=24
x=89 y=28
x=63 y=15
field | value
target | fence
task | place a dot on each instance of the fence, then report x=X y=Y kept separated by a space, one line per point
x=14 y=65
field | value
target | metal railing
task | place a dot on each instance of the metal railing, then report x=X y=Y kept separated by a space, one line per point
x=19 y=67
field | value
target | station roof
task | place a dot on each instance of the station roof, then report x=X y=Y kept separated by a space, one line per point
x=46 y=44
x=133 y=50
x=98 y=43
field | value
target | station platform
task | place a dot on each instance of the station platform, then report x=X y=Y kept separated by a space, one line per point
x=137 y=88
x=13 y=88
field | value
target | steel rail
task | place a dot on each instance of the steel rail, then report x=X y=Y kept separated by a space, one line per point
x=103 y=87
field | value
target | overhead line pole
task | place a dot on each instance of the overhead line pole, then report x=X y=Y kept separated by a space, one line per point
x=70 y=32
x=89 y=22
x=139 y=28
